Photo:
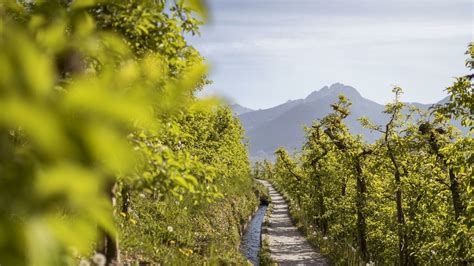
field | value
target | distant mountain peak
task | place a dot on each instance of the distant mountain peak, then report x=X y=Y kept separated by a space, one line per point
x=334 y=90
x=239 y=109
x=341 y=88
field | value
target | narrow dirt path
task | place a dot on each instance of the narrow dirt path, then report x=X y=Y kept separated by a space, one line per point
x=287 y=244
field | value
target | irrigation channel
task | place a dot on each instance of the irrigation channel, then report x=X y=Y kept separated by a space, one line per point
x=251 y=240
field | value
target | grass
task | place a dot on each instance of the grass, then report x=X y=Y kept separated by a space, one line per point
x=175 y=232
x=265 y=254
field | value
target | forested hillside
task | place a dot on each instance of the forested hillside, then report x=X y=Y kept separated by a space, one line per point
x=406 y=199
x=106 y=156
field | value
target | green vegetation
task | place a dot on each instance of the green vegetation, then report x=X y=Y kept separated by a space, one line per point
x=107 y=153
x=204 y=222
x=264 y=253
x=105 y=148
x=405 y=199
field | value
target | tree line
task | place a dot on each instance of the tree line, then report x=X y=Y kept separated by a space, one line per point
x=406 y=199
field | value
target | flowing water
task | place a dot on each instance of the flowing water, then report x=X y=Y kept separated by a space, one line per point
x=250 y=245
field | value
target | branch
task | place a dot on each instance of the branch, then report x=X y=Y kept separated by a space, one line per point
x=287 y=166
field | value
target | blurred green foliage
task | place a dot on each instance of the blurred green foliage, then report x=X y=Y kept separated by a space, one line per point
x=97 y=108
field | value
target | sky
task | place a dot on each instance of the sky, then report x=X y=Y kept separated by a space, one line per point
x=264 y=52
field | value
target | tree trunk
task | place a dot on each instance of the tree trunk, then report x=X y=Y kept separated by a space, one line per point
x=322 y=221
x=360 y=204
x=402 y=243
x=108 y=244
x=403 y=255
x=343 y=187
x=454 y=188
x=125 y=198
x=458 y=211
x=458 y=204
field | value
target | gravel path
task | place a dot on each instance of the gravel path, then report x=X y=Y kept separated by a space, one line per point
x=287 y=244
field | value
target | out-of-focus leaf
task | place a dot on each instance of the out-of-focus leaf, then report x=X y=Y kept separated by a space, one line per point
x=200 y=6
x=29 y=71
x=109 y=148
x=38 y=122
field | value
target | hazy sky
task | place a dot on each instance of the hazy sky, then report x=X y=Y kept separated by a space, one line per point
x=265 y=52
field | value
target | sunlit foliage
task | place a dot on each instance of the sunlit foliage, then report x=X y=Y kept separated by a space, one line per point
x=97 y=106
x=405 y=199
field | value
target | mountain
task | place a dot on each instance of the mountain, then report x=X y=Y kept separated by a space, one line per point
x=282 y=126
x=239 y=109
x=252 y=119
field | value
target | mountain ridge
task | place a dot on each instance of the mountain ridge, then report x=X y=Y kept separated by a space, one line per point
x=239 y=109
x=282 y=125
